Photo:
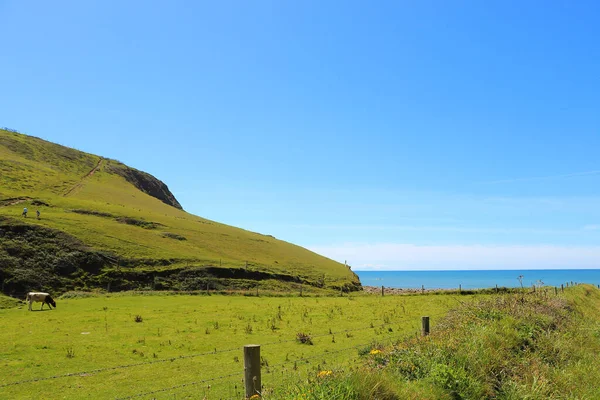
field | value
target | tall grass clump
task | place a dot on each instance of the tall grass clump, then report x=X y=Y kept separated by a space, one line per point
x=505 y=347
x=329 y=385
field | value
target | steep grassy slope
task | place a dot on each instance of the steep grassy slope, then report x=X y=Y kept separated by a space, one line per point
x=102 y=222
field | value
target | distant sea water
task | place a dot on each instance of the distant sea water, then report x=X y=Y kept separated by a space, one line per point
x=476 y=279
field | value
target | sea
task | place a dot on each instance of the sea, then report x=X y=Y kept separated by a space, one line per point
x=477 y=279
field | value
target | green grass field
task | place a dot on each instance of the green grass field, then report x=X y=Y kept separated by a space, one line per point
x=84 y=334
x=105 y=212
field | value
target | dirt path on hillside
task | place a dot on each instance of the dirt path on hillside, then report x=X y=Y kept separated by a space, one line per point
x=95 y=168
x=79 y=184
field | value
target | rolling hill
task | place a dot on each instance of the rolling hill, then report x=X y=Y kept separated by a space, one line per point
x=106 y=225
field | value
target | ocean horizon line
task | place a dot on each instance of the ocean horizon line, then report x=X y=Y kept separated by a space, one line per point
x=469 y=270
x=478 y=278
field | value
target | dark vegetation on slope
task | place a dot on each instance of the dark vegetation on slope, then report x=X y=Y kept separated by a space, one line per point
x=37 y=258
x=124 y=220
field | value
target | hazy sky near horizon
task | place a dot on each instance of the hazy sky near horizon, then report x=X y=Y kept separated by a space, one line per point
x=393 y=135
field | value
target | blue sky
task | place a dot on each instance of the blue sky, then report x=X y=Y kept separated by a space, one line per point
x=401 y=135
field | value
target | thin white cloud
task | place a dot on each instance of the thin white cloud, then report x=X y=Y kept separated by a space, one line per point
x=440 y=228
x=591 y=228
x=400 y=256
x=542 y=178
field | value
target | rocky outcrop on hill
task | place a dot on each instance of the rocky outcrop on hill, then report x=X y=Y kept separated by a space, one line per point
x=147 y=184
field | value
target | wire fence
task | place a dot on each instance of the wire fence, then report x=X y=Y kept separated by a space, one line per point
x=183 y=385
x=183 y=357
x=294 y=361
x=9 y=129
x=116 y=367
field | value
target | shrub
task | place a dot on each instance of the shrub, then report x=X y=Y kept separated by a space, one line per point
x=304 y=338
x=173 y=236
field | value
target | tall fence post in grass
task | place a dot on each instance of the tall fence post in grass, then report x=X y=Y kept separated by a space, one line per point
x=382 y=290
x=555 y=290
x=562 y=287
x=422 y=288
x=459 y=288
x=252 y=370
x=424 y=326
x=496 y=288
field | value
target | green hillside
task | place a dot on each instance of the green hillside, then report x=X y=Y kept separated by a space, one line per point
x=103 y=223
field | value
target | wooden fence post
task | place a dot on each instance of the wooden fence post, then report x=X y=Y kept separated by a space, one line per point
x=496 y=288
x=422 y=288
x=424 y=326
x=252 y=370
x=562 y=287
x=381 y=290
x=459 y=288
x=555 y=290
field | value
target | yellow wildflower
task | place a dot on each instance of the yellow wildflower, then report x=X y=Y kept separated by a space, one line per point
x=375 y=351
x=323 y=374
x=254 y=397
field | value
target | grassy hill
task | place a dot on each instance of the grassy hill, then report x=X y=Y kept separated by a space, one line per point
x=103 y=223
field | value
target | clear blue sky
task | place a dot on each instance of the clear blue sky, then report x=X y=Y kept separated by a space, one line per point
x=406 y=135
